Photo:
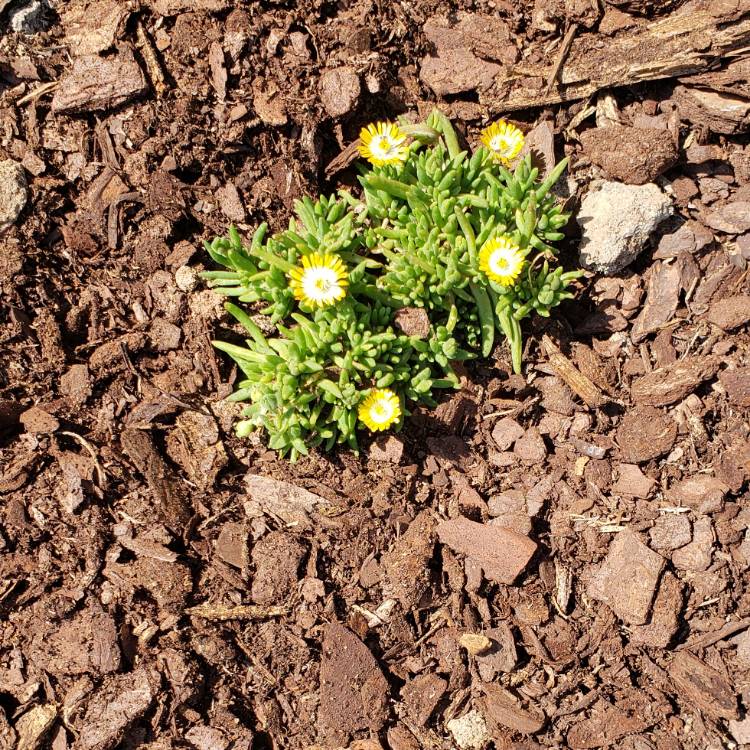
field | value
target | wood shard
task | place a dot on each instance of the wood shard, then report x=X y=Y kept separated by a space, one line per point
x=573 y=377
x=676 y=45
x=221 y=613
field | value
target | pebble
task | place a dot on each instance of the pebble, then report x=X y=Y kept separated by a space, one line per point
x=29 y=18
x=13 y=192
x=469 y=731
x=616 y=223
x=186 y=278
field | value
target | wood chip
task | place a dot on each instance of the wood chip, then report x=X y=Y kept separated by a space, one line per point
x=627 y=578
x=503 y=708
x=96 y=84
x=33 y=725
x=703 y=687
x=502 y=553
x=668 y=385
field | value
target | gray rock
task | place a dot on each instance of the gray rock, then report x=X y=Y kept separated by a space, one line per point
x=30 y=17
x=13 y=192
x=616 y=221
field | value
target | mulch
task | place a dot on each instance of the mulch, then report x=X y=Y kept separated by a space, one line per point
x=558 y=559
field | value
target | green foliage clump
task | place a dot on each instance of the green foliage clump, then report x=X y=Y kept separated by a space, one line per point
x=414 y=239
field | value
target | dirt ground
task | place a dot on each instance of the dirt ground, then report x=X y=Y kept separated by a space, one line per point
x=558 y=559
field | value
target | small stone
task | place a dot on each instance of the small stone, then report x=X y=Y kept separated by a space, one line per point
x=730 y=312
x=505 y=432
x=230 y=203
x=632 y=155
x=502 y=553
x=696 y=556
x=475 y=643
x=339 y=91
x=616 y=223
x=13 y=192
x=670 y=531
x=702 y=492
x=626 y=581
x=76 y=384
x=470 y=731
x=531 y=446
x=412 y=321
x=510 y=501
x=633 y=482
x=30 y=17
x=165 y=336
x=186 y=278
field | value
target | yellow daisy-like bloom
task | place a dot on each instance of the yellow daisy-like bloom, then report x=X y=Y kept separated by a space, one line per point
x=503 y=140
x=380 y=409
x=383 y=143
x=502 y=260
x=320 y=281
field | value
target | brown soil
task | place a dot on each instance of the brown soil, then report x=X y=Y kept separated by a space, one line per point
x=558 y=559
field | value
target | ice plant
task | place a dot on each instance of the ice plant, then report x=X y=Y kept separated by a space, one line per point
x=457 y=234
x=320 y=281
x=383 y=143
x=501 y=260
x=380 y=409
x=503 y=140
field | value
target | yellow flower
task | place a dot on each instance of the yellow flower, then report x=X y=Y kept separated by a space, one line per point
x=380 y=409
x=383 y=143
x=503 y=140
x=502 y=260
x=320 y=281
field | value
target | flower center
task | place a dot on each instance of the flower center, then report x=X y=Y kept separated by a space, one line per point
x=500 y=144
x=500 y=264
x=319 y=283
x=383 y=145
x=381 y=411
